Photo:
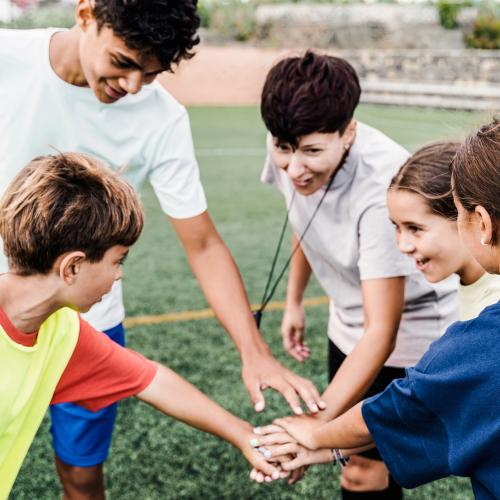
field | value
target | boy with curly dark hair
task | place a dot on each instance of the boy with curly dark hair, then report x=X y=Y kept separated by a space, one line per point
x=92 y=89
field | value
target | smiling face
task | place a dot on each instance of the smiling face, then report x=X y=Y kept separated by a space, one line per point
x=90 y=281
x=111 y=69
x=431 y=240
x=316 y=157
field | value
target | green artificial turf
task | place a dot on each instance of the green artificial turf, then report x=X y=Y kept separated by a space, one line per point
x=154 y=457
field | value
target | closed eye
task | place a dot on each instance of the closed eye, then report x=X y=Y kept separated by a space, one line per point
x=413 y=228
x=120 y=64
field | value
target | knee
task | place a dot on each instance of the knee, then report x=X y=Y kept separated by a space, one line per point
x=81 y=483
x=362 y=474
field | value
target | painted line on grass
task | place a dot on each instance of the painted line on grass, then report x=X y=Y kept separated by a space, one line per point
x=175 y=317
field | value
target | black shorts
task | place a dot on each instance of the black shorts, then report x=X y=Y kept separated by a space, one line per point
x=384 y=378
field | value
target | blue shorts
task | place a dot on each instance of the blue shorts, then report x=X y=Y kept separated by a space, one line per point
x=82 y=437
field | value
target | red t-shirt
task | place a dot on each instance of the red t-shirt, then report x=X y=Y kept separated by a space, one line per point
x=100 y=372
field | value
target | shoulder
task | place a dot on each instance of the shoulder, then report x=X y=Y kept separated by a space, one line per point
x=158 y=105
x=465 y=343
x=16 y=44
x=491 y=289
x=270 y=174
x=378 y=157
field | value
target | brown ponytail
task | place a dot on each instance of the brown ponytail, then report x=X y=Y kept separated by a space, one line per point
x=427 y=173
x=476 y=172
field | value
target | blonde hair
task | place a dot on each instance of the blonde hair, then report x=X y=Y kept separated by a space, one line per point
x=66 y=202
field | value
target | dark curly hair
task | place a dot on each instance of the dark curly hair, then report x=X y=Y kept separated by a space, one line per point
x=165 y=28
x=313 y=93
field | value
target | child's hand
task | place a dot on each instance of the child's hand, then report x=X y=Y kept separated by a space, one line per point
x=264 y=470
x=259 y=477
x=302 y=457
x=293 y=476
x=279 y=446
x=301 y=429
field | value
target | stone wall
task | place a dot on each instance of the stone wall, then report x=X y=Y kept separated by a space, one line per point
x=356 y=26
x=454 y=66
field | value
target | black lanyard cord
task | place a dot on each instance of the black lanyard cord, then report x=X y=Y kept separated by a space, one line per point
x=264 y=300
x=268 y=296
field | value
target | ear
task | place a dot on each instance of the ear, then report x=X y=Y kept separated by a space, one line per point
x=485 y=224
x=349 y=134
x=84 y=14
x=69 y=266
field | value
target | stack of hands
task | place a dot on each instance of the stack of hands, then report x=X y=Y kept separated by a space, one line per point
x=288 y=444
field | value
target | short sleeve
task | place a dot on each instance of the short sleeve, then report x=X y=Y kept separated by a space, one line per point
x=101 y=372
x=410 y=438
x=379 y=256
x=175 y=176
x=270 y=172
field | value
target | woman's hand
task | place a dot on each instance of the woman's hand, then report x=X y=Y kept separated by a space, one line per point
x=301 y=429
x=292 y=331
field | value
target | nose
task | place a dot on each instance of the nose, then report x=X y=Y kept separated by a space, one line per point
x=405 y=244
x=132 y=83
x=295 y=166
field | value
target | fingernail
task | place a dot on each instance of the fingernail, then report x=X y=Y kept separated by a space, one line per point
x=276 y=475
x=322 y=405
x=265 y=452
x=257 y=430
x=298 y=410
x=314 y=408
x=254 y=442
x=259 y=406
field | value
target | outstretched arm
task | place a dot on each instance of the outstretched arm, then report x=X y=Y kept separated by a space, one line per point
x=349 y=431
x=222 y=285
x=175 y=396
x=293 y=323
x=383 y=301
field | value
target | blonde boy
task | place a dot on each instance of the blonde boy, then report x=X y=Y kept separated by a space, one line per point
x=67 y=223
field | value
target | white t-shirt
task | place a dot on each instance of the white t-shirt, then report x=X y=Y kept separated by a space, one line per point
x=352 y=239
x=148 y=133
x=472 y=299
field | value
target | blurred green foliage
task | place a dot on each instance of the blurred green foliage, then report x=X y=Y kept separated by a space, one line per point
x=485 y=33
x=44 y=17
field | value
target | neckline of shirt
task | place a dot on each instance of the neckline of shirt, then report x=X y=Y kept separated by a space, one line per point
x=68 y=87
x=24 y=339
x=482 y=282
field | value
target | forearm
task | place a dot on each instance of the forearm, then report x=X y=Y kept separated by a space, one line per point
x=214 y=264
x=383 y=303
x=176 y=397
x=298 y=277
x=357 y=373
x=347 y=432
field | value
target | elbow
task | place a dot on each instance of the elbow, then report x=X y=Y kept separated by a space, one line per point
x=385 y=345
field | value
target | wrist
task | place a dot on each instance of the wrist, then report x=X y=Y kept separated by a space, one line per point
x=254 y=351
x=294 y=300
x=240 y=435
x=339 y=457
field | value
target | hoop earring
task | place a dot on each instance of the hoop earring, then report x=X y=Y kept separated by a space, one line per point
x=482 y=241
